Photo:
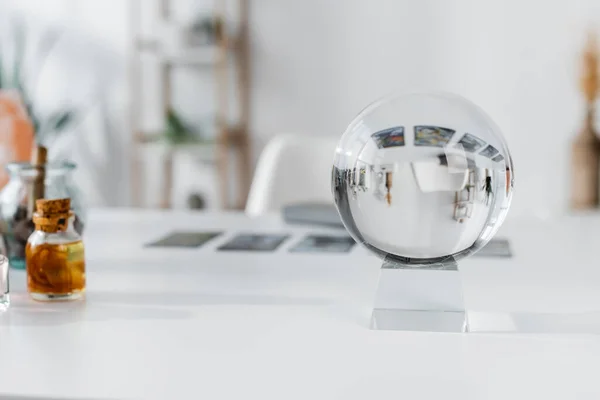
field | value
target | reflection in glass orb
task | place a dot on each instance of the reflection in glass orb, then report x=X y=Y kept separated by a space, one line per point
x=422 y=179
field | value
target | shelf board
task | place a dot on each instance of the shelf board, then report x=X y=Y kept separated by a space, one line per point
x=193 y=56
x=205 y=151
x=234 y=136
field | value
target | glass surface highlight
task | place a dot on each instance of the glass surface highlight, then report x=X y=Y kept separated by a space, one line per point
x=422 y=179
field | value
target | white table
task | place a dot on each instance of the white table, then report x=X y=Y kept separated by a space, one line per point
x=177 y=324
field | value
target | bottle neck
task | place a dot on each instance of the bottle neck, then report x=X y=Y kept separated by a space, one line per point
x=52 y=223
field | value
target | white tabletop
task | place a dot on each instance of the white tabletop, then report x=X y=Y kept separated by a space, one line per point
x=198 y=323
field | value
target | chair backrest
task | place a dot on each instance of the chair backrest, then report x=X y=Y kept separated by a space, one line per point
x=292 y=169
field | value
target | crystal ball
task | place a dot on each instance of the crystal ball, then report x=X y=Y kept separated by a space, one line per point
x=422 y=179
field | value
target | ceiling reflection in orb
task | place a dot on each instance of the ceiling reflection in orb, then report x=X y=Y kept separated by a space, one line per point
x=422 y=179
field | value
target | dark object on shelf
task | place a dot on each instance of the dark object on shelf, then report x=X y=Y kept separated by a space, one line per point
x=312 y=214
x=196 y=201
x=206 y=31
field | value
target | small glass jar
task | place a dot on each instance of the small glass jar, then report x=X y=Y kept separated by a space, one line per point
x=54 y=255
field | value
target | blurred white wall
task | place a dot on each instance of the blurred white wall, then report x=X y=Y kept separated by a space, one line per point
x=317 y=63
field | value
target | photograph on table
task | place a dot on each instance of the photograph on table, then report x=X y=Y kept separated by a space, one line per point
x=254 y=242
x=471 y=143
x=432 y=136
x=391 y=137
x=324 y=244
x=184 y=239
x=489 y=152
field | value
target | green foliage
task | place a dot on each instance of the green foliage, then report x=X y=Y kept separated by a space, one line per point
x=176 y=131
x=60 y=120
x=55 y=124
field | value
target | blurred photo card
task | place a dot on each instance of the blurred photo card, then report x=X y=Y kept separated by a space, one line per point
x=497 y=247
x=184 y=239
x=324 y=244
x=432 y=136
x=471 y=143
x=489 y=152
x=254 y=242
x=391 y=137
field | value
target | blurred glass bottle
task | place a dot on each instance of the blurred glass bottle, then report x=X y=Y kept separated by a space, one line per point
x=4 y=284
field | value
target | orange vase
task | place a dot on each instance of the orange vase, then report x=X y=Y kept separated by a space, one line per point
x=16 y=132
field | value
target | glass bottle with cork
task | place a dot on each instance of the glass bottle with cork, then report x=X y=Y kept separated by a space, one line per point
x=54 y=255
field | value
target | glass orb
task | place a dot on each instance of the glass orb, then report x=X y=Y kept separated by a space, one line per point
x=422 y=179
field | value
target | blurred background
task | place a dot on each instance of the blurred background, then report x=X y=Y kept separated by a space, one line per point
x=174 y=100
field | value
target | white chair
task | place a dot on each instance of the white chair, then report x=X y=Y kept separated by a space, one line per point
x=292 y=169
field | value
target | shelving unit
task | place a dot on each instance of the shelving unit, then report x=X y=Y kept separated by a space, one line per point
x=231 y=145
x=464 y=199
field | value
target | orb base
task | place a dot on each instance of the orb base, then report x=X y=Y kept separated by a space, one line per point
x=419 y=299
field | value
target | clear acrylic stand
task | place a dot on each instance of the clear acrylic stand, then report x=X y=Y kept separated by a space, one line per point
x=431 y=299
x=419 y=299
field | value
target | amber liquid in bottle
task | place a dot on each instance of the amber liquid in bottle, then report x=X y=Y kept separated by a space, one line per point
x=55 y=271
x=54 y=256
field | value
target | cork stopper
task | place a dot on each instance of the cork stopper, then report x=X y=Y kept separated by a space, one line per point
x=52 y=215
x=50 y=208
